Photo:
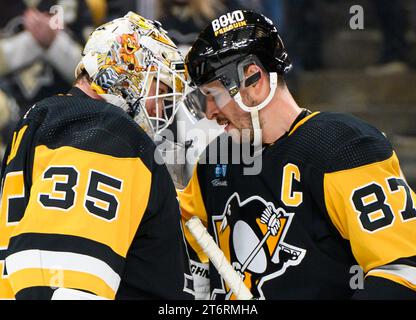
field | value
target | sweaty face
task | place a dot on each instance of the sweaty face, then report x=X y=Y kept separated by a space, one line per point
x=155 y=106
x=220 y=106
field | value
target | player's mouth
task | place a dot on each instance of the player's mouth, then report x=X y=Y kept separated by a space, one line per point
x=227 y=124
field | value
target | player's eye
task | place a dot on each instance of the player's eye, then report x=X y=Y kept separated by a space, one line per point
x=162 y=91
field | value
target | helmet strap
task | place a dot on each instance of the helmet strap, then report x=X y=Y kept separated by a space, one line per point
x=273 y=87
x=254 y=112
x=257 y=133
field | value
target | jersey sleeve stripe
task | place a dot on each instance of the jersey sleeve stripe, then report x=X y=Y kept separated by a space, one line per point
x=41 y=259
x=26 y=280
x=68 y=243
x=71 y=294
x=35 y=293
x=53 y=293
x=402 y=274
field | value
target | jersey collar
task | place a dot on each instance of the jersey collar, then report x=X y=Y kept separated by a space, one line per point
x=77 y=92
x=304 y=116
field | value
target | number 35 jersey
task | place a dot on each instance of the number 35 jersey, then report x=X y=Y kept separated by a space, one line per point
x=85 y=205
x=329 y=197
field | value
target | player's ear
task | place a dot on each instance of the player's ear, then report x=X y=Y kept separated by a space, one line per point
x=250 y=70
x=253 y=75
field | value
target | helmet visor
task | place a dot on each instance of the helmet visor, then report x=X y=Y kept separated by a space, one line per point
x=218 y=92
x=228 y=81
x=196 y=100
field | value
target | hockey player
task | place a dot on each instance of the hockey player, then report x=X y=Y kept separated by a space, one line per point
x=88 y=209
x=329 y=195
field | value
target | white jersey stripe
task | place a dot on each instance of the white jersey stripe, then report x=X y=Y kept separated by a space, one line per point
x=401 y=270
x=41 y=259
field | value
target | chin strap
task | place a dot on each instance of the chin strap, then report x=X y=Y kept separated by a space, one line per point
x=273 y=87
x=254 y=112
x=257 y=140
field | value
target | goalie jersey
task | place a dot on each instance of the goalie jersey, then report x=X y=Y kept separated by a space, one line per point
x=86 y=206
x=329 y=216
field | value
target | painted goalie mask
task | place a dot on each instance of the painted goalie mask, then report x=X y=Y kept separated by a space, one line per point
x=124 y=58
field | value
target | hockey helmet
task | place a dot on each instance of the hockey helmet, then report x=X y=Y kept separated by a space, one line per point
x=222 y=52
x=232 y=41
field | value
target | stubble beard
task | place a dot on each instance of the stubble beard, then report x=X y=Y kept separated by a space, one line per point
x=245 y=132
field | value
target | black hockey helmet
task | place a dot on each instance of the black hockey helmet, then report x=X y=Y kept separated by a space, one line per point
x=232 y=38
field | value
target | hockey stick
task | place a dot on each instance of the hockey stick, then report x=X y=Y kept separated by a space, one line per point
x=218 y=259
x=257 y=248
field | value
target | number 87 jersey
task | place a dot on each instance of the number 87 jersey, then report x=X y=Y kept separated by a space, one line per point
x=371 y=205
x=85 y=205
x=329 y=198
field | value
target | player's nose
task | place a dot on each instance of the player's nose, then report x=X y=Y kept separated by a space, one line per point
x=212 y=110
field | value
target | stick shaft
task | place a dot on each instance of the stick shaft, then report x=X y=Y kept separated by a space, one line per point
x=218 y=259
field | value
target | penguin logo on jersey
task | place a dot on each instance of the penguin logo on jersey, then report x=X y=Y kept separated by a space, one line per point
x=251 y=234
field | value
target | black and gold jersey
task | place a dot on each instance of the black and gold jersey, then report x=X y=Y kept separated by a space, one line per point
x=330 y=213
x=88 y=205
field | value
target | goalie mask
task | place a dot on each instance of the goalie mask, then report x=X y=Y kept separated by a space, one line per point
x=124 y=58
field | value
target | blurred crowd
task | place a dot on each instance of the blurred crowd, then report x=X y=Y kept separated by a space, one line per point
x=40 y=44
